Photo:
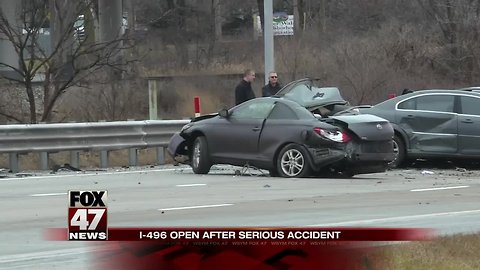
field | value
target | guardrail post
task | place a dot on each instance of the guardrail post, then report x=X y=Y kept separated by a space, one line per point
x=75 y=159
x=132 y=157
x=104 y=159
x=44 y=161
x=13 y=160
x=161 y=155
x=152 y=99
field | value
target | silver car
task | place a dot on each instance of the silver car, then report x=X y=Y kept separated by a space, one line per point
x=433 y=124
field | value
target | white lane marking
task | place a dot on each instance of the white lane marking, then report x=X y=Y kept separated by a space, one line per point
x=191 y=185
x=195 y=207
x=392 y=219
x=100 y=173
x=439 y=188
x=48 y=194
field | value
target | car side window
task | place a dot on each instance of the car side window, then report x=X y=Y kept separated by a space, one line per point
x=470 y=105
x=435 y=103
x=409 y=104
x=282 y=111
x=253 y=110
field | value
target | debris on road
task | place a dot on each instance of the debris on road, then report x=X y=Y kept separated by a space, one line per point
x=65 y=167
x=3 y=173
x=23 y=174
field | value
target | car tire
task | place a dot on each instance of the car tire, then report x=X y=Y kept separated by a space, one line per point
x=293 y=161
x=399 y=150
x=200 y=158
x=347 y=174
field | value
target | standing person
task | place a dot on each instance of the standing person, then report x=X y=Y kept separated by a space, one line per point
x=273 y=85
x=244 y=91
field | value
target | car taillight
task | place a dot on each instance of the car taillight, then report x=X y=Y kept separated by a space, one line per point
x=334 y=135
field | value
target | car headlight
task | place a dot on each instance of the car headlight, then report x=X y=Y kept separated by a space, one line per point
x=187 y=126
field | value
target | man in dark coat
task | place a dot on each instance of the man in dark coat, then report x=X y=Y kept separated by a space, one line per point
x=273 y=86
x=244 y=91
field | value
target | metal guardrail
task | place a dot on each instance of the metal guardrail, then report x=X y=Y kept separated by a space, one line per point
x=76 y=137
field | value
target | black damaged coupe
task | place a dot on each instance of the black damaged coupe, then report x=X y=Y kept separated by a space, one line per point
x=303 y=130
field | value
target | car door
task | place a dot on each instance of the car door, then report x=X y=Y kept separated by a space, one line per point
x=430 y=123
x=469 y=125
x=279 y=127
x=236 y=137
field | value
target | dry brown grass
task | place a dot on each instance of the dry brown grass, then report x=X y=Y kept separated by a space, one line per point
x=176 y=95
x=458 y=252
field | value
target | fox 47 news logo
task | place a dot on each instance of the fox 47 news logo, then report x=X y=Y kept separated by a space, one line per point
x=87 y=215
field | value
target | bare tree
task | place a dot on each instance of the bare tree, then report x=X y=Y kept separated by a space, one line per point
x=70 y=59
x=459 y=25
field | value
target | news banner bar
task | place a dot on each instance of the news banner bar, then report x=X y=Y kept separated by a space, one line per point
x=255 y=234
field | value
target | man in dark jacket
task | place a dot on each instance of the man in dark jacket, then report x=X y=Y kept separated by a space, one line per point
x=273 y=86
x=244 y=91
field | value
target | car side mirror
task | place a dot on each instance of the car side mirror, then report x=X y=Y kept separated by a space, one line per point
x=224 y=113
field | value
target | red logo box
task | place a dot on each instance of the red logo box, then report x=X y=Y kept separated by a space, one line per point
x=87 y=215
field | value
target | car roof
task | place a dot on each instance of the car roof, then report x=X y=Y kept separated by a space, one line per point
x=279 y=99
x=415 y=93
x=272 y=99
x=299 y=109
x=471 y=88
x=444 y=91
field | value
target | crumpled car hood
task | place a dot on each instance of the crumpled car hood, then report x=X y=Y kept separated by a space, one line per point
x=309 y=96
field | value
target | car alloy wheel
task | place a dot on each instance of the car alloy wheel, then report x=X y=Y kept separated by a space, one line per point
x=200 y=158
x=398 y=152
x=292 y=162
x=196 y=154
x=395 y=151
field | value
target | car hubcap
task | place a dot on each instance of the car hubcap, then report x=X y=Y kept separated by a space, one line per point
x=292 y=162
x=196 y=154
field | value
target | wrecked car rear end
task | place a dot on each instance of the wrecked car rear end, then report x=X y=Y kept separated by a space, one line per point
x=371 y=147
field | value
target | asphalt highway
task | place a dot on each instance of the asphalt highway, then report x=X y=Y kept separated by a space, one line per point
x=169 y=196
